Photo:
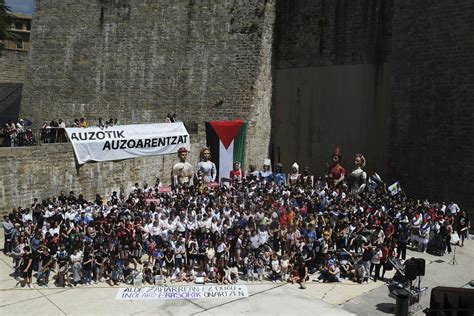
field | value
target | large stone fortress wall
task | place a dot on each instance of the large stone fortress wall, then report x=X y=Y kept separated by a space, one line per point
x=137 y=60
x=332 y=82
x=391 y=79
x=432 y=131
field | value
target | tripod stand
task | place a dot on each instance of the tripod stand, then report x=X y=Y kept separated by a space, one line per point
x=453 y=261
x=415 y=296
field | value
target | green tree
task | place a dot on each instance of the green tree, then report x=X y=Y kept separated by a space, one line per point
x=5 y=23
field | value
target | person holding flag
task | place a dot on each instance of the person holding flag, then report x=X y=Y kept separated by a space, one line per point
x=395 y=188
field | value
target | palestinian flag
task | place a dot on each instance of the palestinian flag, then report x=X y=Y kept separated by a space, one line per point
x=226 y=139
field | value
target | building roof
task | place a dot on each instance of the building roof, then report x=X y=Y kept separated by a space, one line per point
x=21 y=15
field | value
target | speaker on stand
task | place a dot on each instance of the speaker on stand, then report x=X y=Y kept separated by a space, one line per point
x=415 y=268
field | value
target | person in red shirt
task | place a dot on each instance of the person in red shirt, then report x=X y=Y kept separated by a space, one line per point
x=236 y=173
x=283 y=218
x=336 y=172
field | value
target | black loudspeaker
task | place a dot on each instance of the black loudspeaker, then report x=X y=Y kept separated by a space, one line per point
x=421 y=266
x=414 y=267
x=451 y=301
x=411 y=269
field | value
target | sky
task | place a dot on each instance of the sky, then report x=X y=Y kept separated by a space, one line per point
x=21 y=6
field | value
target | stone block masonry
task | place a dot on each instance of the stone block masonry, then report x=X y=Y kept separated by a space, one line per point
x=137 y=60
x=400 y=73
x=432 y=132
x=43 y=171
x=13 y=66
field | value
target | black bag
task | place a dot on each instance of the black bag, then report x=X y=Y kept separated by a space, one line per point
x=388 y=266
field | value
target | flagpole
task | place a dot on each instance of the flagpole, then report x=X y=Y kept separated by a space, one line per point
x=404 y=194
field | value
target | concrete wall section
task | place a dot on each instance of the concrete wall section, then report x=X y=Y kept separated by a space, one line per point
x=318 y=108
x=432 y=142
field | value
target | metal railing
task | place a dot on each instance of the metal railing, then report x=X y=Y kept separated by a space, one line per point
x=33 y=137
x=37 y=137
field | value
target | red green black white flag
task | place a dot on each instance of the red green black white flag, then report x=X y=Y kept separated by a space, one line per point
x=226 y=140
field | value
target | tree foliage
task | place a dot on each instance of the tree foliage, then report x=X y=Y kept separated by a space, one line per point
x=5 y=23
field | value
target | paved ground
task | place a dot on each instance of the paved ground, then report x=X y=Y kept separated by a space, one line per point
x=264 y=298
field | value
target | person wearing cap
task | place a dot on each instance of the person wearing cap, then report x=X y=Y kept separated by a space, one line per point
x=336 y=173
x=266 y=175
x=280 y=176
x=182 y=173
x=294 y=178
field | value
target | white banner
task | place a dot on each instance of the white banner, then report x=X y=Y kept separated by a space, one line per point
x=127 y=141
x=182 y=292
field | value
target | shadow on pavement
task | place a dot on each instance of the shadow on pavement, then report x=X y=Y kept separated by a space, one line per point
x=388 y=308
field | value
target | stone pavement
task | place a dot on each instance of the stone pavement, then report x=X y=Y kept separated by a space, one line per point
x=265 y=298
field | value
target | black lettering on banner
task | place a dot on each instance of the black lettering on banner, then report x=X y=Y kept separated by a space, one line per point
x=139 y=143
x=85 y=136
x=147 y=143
x=108 y=133
x=91 y=135
x=174 y=140
x=154 y=142
x=161 y=142
x=123 y=143
x=185 y=138
x=100 y=135
x=106 y=145
x=74 y=136
x=131 y=141
x=119 y=134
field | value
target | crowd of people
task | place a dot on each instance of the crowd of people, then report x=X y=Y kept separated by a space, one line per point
x=21 y=134
x=262 y=225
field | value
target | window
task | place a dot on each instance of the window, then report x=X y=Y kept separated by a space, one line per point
x=19 y=43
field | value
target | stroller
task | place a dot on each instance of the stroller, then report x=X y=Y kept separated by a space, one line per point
x=29 y=138
x=401 y=281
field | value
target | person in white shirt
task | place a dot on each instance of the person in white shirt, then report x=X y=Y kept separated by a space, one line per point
x=453 y=208
x=181 y=226
x=27 y=216
x=263 y=236
x=254 y=241
x=377 y=255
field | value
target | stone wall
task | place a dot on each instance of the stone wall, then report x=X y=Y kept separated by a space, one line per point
x=323 y=32
x=137 y=60
x=392 y=79
x=432 y=142
x=332 y=82
x=10 y=101
x=13 y=66
x=43 y=171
